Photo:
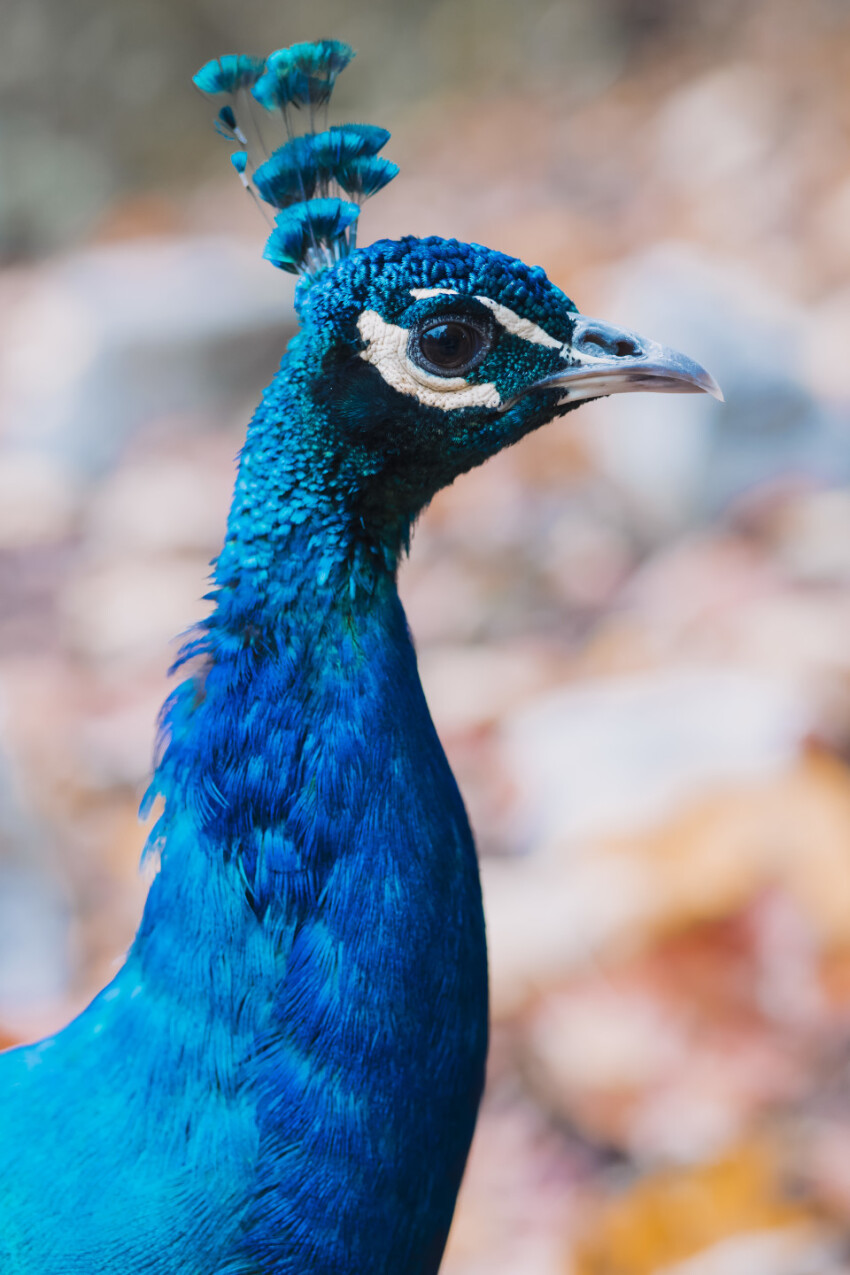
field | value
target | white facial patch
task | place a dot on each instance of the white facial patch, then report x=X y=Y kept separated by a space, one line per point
x=386 y=349
x=517 y=326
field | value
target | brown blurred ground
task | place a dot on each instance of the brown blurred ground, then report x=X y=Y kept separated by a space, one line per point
x=633 y=628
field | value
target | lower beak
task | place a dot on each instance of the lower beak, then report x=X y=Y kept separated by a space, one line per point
x=604 y=360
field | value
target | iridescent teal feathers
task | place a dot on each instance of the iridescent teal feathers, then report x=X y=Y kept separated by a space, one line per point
x=302 y=75
x=298 y=230
x=228 y=73
x=317 y=180
x=306 y=166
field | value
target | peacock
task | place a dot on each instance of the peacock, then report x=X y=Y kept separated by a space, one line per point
x=285 y=1074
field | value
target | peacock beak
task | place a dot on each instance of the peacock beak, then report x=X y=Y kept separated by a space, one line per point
x=604 y=359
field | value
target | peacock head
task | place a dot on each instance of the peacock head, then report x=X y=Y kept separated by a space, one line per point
x=431 y=355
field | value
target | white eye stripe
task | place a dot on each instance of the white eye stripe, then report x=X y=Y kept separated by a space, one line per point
x=386 y=350
x=420 y=293
x=508 y=319
x=518 y=326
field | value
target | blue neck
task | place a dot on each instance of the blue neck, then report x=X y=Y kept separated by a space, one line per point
x=303 y=516
x=318 y=900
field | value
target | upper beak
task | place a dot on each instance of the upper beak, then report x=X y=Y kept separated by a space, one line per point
x=609 y=360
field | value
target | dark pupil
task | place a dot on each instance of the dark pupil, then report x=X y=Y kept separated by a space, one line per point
x=449 y=345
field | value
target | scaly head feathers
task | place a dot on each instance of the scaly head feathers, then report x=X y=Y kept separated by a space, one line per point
x=317 y=181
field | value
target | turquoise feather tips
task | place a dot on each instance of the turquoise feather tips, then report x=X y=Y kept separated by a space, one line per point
x=317 y=180
x=228 y=73
x=303 y=75
x=305 y=165
x=306 y=236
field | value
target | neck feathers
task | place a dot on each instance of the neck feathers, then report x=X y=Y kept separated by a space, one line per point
x=315 y=929
x=301 y=526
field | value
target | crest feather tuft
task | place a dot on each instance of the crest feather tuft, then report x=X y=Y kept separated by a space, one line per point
x=307 y=177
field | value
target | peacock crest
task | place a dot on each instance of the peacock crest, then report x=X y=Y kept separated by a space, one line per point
x=317 y=180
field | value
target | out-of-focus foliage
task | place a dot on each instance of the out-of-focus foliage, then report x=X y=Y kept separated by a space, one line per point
x=634 y=628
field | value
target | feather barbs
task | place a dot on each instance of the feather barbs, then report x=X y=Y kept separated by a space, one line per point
x=317 y=180
x=302 y=75
x=309 y=236
x=228 y=73
x=305 y=166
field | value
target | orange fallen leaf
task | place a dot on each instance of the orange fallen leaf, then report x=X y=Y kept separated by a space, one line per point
x=674 y=1215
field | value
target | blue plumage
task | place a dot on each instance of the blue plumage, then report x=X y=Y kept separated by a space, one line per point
x=284 y=1076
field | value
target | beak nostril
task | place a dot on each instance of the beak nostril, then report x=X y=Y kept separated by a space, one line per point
x=620 y=347
x=627 y=349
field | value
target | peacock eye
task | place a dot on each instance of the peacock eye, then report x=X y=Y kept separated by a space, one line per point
x=450 y=346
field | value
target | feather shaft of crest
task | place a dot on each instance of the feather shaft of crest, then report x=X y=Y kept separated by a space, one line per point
x=306 y=177
x=239 y=160
x=227 y=127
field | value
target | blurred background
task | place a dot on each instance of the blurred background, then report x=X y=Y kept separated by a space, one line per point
x=634 y=627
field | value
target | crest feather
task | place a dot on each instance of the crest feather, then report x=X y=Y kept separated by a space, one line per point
x=310 y=234
x=305 y=166
x=307 y=176
x=364 y=176
x=302 y=75
x=228 y=73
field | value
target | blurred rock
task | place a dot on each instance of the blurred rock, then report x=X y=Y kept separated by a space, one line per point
x=35 y=930
x=168 y=505
x=548 y=917
x=125 y=611
x=38 y=500
x=554 y=913
x=812 y=536
x=117 y=745
x=517 y=1200
x=673 y=1053
x=684 y=458
x=714 y=129
x=597 y=757
x=118 y=335
x=469 y=687
x=824 y=343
